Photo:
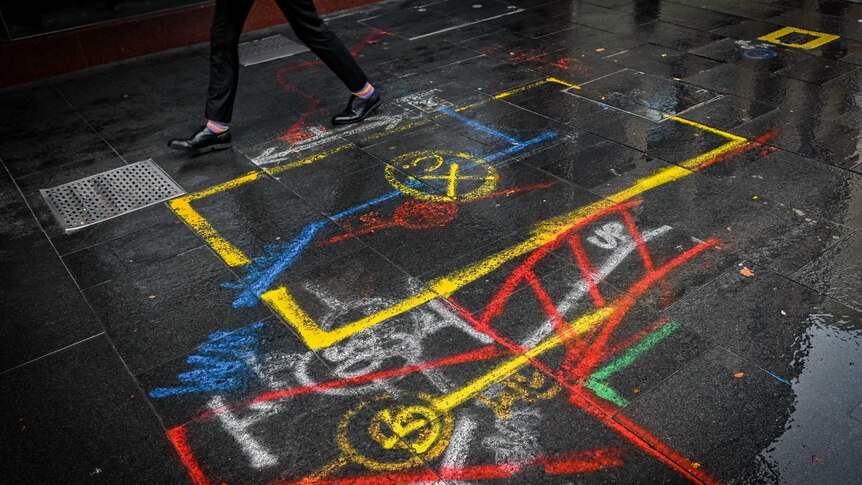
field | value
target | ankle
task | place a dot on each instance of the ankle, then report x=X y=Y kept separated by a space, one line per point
x=366 y=92
x=217 y=127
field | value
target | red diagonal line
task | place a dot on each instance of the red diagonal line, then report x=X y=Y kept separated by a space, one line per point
x=482 y=353
x=550 y=309
x=758 y=142
x=624 y=303
x=572 y=463
x=512 y=191
x=393 y=223
x=643 y=440
x=587 y=269
x=474 y=322
x=638 y=239
x=178 y=438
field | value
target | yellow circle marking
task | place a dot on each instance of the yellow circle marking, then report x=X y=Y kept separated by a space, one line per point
x=433 y=166
x=419 y=430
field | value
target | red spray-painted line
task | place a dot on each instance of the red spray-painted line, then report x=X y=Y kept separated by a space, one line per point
x=590 y=275
x=471 y=319
x=638 y=239
x=483 y=353
x=643 y=440
x=441 y=214
x=758 y=142
x=636 y=435
x=177 y=436
x=524 y=272
x=557 y=320
x=572 y=463
x=634 y=339
x=512 y=191
x=294 y=133
x=604 y=412
x=499 y=300
x=412 y=214
x=625 y=302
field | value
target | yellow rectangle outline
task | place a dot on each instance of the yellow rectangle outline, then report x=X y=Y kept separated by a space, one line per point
x=232 y=255
x=281 y=301
x=822 y=38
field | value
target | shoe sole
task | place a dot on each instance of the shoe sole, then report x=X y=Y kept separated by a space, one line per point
x=367 y=114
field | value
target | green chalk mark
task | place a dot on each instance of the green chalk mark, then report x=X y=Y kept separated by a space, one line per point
x=605 y=392
x=595 y=384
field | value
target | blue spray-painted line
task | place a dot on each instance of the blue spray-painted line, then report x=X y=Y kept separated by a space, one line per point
x=222 y=364
x=479 y=126
x=773 y=375
x=265 y=269
x=520 y=146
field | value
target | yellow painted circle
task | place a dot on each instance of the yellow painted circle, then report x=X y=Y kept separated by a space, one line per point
x=444 y=166
x=416 y=432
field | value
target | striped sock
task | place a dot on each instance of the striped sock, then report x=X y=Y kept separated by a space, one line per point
x=366 y=92
x=216 y=127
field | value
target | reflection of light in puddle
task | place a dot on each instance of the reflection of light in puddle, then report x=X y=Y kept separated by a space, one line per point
x=827 y=389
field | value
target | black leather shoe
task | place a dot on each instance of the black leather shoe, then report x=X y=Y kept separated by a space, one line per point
x=357 y=109
x=202 y=142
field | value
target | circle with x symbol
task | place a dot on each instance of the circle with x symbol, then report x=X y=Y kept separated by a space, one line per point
x=441 y=176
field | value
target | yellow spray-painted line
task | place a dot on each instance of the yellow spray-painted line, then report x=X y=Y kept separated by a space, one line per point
x=281 y=301
x=577 y=327
x=316 y=338
x=232 y=255
x=820 y=38
x=307 y=160
x=183 y=208
x=431 y=424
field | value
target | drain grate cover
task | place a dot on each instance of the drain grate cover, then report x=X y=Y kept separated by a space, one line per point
x=110 y=194
x=268 y=49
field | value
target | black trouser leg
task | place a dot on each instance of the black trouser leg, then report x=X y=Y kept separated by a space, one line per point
x=311 y=30
x=227 y=25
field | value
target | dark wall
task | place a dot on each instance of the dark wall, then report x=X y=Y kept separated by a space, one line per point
x=29 y=18
x=46 y=55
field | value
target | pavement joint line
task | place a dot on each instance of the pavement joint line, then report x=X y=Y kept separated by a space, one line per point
x=456 y=27
x=43 y=356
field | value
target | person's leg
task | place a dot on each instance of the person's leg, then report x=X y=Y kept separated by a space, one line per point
x=312 y=30
x=227 y=25
x=228 y=19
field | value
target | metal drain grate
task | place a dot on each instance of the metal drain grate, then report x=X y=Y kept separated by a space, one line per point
x=110 y=194
x=268 y=49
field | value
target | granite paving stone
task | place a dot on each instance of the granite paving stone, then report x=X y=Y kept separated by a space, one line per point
x=85 y=420
x=40 y=327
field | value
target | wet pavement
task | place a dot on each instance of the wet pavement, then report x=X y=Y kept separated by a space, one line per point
x=607 y=242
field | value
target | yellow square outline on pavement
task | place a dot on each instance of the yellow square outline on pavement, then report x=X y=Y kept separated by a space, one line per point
x=316 y=338
x=232 y=255
x=821 y=38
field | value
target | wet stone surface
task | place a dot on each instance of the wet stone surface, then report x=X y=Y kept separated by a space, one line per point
x=580 y=242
